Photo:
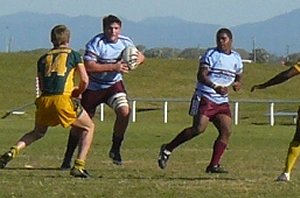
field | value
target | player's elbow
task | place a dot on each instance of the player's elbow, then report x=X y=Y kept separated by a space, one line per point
x=85 y=81
x=90 y=66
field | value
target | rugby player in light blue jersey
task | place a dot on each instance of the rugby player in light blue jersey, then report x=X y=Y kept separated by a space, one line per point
x=103 y=63
x=219 y=68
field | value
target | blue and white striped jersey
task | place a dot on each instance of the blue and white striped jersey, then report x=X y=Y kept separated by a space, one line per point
x=223 y=69
x=99 y=49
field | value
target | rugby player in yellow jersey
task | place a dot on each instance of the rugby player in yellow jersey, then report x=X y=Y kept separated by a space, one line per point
x=57 y=103
x=294 y=147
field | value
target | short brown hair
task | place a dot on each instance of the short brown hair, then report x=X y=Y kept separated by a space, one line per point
x=60 y=34
x=108 y=20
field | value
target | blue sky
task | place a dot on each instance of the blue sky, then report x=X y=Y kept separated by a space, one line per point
x=221 y=12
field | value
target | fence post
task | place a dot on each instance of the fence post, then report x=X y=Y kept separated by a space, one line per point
x=37 y=87
x=272 y=120
x=236 y=113
x=133 y=110
x=166 y=112
x=102 y=112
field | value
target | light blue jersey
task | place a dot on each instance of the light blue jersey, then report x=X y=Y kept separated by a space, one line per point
x=99 y=49
x=223 y=69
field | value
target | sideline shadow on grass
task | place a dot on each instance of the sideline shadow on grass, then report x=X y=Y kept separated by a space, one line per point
x=147 y=109
x=197 y=178
x=267 y=123
x=202 y=178
x=31 y=168
x=129 y=177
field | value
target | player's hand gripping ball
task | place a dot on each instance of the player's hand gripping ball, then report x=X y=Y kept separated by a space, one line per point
x=129 y=56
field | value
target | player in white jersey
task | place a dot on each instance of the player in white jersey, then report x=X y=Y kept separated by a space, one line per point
x=219 y=68
x=103 y=63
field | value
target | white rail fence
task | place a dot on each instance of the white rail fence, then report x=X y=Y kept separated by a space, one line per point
x=272 y=113
x=235 y=104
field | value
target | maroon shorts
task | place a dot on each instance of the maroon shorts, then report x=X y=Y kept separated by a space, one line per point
x=211 y=109
x=91 y=99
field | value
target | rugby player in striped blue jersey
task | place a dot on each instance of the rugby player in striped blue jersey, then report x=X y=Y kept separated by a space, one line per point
x=219 y=68
x=105 y=68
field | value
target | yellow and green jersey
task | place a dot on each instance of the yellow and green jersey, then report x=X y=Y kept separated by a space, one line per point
x=56 y=70
x=297 y=66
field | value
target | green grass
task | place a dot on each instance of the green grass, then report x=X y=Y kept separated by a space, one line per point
x=255 y=156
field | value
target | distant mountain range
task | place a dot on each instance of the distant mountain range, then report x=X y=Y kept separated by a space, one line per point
x=27 y=31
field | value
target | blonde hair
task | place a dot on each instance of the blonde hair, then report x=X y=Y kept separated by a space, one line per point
x=60 y=35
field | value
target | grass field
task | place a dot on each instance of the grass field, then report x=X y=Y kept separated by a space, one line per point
x=255 y=156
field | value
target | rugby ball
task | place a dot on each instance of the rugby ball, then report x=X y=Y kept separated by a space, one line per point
x=129 y=56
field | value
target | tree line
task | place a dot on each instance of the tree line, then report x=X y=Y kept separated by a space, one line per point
x=259 y=55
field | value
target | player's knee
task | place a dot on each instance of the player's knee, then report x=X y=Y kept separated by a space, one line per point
x=88 y=129
x=123 y=112
x=92 y=126
x=197 y=131
x=225 y=135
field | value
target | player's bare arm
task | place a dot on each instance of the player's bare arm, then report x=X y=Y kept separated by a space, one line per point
x=279 y=78
x=83 y=83
x=237 y=82
x=40 y=77
x=202 y=77
x=93 y=66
